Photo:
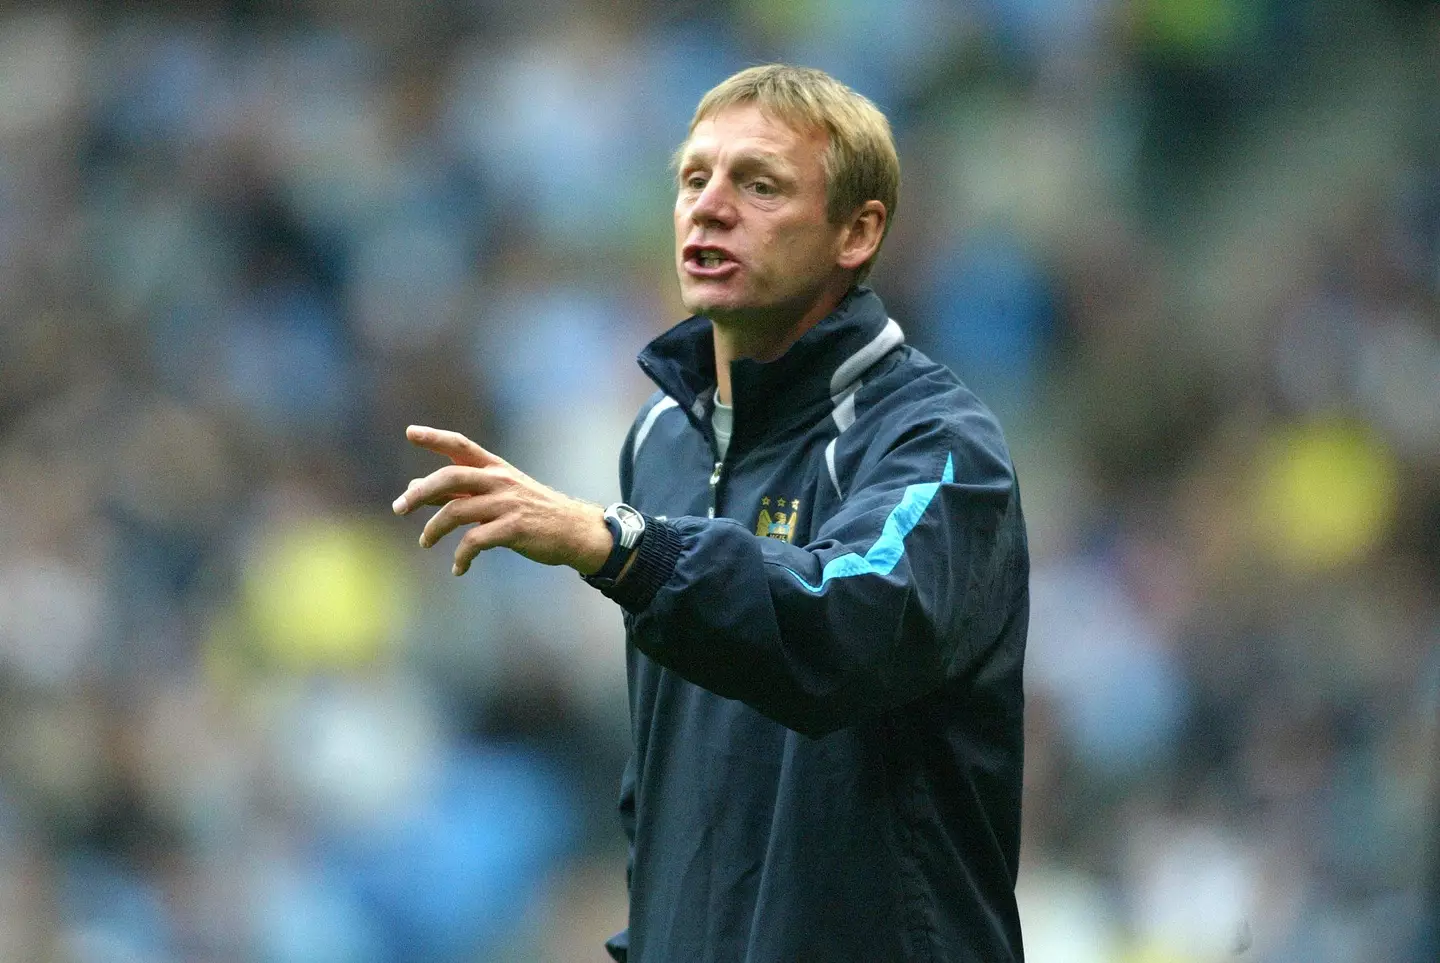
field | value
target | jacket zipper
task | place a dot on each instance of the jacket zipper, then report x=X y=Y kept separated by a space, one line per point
x=715 y=487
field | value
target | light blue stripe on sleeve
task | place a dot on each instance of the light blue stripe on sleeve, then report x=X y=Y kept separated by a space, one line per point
x=888 y=549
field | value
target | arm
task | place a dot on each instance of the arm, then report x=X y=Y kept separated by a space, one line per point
x=906 y=586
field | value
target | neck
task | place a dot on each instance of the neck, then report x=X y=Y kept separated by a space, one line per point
x=760 y=340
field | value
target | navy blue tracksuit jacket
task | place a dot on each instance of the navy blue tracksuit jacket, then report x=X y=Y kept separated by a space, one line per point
x=825 y=640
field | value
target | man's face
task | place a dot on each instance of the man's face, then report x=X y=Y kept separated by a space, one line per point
x=752 y=242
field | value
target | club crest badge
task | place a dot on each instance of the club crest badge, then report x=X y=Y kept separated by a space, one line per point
x=779 y=522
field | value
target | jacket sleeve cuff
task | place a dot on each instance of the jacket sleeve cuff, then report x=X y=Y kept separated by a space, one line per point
x=654 y=563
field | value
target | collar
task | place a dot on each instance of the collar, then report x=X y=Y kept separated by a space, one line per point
x=823 y=367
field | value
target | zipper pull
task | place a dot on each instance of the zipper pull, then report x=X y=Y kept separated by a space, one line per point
x=715 y=485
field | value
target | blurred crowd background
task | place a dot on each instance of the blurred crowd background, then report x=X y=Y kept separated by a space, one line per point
x=1188 y=249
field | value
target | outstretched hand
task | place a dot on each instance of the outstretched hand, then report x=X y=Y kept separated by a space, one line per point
x=504 y=507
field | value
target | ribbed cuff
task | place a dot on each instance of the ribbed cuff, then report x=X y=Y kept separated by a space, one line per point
x=655 y=559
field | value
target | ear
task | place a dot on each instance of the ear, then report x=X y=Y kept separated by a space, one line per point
x=861 y=236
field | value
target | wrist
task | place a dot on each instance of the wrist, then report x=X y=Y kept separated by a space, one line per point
x=597 y=541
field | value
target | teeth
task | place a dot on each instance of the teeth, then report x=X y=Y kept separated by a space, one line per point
x=709 y=259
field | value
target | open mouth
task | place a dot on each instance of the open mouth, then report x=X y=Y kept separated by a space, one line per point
x=708 y=261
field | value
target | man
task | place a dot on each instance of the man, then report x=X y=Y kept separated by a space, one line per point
x=824 y=573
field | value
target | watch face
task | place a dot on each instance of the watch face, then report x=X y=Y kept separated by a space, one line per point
x=632 y=524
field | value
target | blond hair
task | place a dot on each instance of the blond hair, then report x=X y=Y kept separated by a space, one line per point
x=860 y=164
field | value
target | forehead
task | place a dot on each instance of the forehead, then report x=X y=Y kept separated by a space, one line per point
x=748 y=129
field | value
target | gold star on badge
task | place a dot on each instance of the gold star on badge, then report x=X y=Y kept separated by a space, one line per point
x=765 y=500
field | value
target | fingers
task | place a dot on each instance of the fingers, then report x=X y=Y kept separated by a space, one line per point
x=452 y=445
x=479 y=538
x=444 y=485
x=477 y=490
x=461 y=511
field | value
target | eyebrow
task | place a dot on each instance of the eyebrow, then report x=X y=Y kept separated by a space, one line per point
x=748 y=157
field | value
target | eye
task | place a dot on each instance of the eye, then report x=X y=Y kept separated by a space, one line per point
x=764 y=188
x=694 y=182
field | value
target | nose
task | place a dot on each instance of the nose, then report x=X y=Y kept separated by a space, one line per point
x=713 y=207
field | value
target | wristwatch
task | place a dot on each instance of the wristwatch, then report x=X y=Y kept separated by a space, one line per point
x=626 y=527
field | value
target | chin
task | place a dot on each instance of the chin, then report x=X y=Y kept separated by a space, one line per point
x=709 y=303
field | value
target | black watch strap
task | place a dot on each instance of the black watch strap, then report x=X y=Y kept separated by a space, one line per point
x=619 y=554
